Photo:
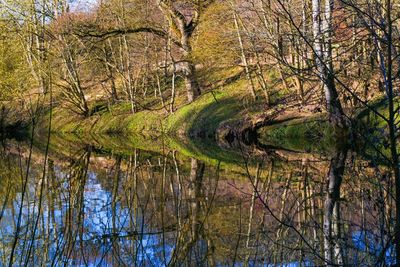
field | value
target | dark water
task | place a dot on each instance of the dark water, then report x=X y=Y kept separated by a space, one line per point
x=82 y=206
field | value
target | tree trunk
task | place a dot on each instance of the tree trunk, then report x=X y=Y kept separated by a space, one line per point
x=191 y=84
x=322 y=31
x=332 y=98
x=75 y=91
x=185 y=27
x=392 y=125
x=194 y=193
x=187 y=71
x=244 y=59
x=332 y=234
x=108 y=62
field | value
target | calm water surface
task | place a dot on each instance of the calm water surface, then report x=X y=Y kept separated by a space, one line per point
x=81 y=205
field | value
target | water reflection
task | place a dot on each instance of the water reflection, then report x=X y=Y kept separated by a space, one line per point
x=333 y=245
x=88 y=208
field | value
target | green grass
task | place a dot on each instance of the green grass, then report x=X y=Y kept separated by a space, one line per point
x=119 y=121
x=205 y=114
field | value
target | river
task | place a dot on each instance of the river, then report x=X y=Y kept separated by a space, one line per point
x=84 y=204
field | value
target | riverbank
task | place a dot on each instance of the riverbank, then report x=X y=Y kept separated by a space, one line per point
x=222 y=113
x=209 y=126
x=205 y=130
x=201 y=118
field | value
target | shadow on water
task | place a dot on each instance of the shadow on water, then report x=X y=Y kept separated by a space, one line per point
x=88 y=206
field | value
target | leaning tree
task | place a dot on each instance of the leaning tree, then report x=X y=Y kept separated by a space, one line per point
x=183 y=18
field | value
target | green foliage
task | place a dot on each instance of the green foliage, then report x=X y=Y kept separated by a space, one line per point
x=216 y=37
x=14 y=72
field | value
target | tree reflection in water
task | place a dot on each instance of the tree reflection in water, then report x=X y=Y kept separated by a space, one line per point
x=147 y=209
x=333 y=244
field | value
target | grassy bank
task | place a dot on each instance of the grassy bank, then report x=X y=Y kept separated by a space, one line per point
x=156 y=128
x=200 y=117
x=191 y=128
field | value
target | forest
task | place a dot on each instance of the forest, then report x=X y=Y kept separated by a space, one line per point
x=200 y=132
